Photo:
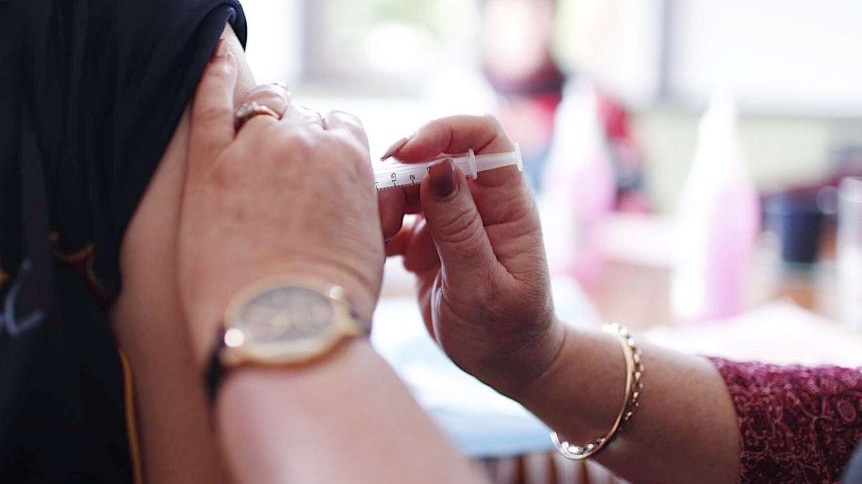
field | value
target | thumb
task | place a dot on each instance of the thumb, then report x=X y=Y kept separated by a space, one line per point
x=455 y=223
x=212 y=119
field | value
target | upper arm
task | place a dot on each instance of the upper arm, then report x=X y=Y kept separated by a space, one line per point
x=147 y=320
x=148 y=251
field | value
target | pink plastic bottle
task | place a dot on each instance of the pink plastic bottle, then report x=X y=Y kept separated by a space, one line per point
x=578 y=187
x=717 y=224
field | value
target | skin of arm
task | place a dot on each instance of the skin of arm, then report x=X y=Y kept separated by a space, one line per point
x=174 y=430
x=355 y=422
x=348 y=418
x=484 y=290
x=685 y=429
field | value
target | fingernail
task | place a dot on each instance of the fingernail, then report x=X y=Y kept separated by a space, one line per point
x=395 y=147
x=220 y=50
x=443 y=181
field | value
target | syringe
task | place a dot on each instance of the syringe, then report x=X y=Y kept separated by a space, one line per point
x=396 y=174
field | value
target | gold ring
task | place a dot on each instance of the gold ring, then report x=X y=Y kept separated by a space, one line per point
x=250 y=110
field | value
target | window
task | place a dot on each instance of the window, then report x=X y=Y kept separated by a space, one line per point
x=371 y=46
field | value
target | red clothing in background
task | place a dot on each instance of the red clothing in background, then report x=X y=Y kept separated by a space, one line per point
x=797 y=423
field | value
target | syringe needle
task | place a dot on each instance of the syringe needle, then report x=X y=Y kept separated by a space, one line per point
x=395 y=174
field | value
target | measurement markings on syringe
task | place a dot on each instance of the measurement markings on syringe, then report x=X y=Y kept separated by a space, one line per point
x=412 y=174
x=412 y=179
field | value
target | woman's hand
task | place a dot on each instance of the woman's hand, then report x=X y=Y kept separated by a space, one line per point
x=290 y=197
x=484 y=287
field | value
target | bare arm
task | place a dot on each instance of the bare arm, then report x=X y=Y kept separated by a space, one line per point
x=174 y=435
x=485 y=293
x=249 y=212
x=349 y=419
x=684 y=431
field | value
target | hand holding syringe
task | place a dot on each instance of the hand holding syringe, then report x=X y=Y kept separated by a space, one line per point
x=395 y=174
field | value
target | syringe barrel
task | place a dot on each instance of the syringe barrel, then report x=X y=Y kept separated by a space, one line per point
x=394 y=174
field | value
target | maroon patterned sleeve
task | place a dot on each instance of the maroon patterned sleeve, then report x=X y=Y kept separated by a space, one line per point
x=796 y=423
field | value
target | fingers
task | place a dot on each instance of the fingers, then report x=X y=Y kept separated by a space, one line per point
x=453 y=134
x=415 y=244
x=273 y=96
x=395 y=148
x=455 y=223
x=392 y=205
x=264 y=104
x=339 y=121
x=212 y=110
x=299 y=114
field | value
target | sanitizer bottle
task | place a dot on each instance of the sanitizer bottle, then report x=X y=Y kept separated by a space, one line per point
x=717 y=223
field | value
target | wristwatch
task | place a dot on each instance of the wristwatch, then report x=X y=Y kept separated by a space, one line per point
x=281 y=323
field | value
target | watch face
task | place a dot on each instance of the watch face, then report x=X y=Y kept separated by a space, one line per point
x=285 y=314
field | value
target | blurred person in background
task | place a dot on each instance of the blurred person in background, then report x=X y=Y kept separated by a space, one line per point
x=520 y=60
x=517 y=62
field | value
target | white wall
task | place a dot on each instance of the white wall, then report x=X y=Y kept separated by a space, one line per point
x=778 y=56
x=275 y=42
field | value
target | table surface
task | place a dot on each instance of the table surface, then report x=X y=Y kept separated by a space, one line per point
x=639 y=296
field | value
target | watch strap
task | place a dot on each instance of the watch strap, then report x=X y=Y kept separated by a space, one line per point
x=215 y=370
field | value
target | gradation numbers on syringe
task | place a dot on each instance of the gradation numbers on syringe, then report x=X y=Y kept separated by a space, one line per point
x=393 y=175
x=393 y=180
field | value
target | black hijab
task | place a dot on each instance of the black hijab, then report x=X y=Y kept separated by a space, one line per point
x=90 y=94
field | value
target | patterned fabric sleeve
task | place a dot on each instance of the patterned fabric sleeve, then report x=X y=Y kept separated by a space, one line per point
x=796 y=423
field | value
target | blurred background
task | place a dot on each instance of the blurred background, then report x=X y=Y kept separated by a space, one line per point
x=686 y=155
x=792 y=65
x=687 y=159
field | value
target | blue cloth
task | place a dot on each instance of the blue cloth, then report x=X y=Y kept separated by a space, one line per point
x=853 y=474
x=478 y=420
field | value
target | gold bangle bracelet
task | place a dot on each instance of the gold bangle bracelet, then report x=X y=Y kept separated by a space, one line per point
x=634 y=387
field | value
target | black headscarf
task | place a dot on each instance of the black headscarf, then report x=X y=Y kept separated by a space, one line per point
x=91 y=92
